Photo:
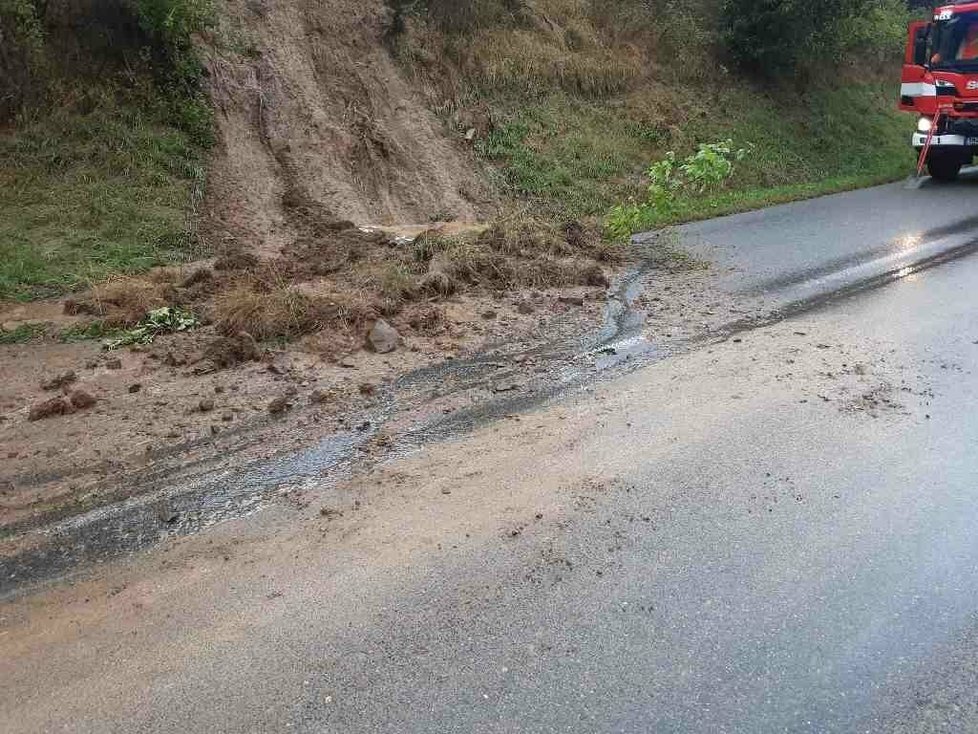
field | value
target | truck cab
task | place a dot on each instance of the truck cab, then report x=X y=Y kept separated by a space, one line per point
x=940 y=84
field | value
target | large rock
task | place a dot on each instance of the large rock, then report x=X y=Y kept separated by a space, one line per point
x=383 y=338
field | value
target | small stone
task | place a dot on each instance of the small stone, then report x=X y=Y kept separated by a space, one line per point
x=488 y=314
x=91 y=364
x=524 y=307
x=59 y=381
x=206 y=405
x=50 y=408
x=135 y=387
x=215 y=429
x=572 y=300
x=383 y=338
x=227 y=416
x=348 y=363
x=318 y=397
x=446 y=490
x=218 y=389
x=367 y=388
x=505 y=385
x=113 y=363
x=81 y=399
x=279 y=406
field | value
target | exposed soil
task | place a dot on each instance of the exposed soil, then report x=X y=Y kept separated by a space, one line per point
x=199 y=395
x=313 y=104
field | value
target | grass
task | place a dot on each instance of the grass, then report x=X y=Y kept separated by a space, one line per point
x=84 y=195
x=23 y=334
x=574 y=157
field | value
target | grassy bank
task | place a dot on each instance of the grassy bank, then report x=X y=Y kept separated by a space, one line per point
x=103 y=129
x=581 y=97
x=87 y=194
x=575 y=158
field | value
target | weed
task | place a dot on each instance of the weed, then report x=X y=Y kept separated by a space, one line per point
x=23 y=334
x=268 y=313
x=91 y=331
x=166 y=320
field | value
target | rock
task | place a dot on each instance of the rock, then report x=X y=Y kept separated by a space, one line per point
x=279 y=406
x=367 y=388
x=383 y=338
x=230 y=351
x=134 y=388
x=81 y=399
x=50 y=409
x=206 y=405
x=91 y=364
x=318 y=397
x=524 y=307
x=348 y=362
x=174 y=359
x=572 y=300
x=215 y=429
x=59 y=381
x=488 y=314
x=113 y=363
x=505 y=385
x=227 y=416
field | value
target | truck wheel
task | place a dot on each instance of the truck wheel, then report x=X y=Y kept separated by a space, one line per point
x=944 y=167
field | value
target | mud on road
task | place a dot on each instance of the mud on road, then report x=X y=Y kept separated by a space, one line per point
x=166 y=451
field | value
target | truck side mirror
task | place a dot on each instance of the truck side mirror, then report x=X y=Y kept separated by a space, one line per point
x=920 y=37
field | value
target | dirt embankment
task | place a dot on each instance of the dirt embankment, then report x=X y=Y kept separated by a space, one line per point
x=318 y=134
x=314 y=105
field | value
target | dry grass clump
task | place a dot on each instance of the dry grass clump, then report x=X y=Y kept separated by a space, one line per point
x=514 y=255
x=124 y=300
x=527 y=61
x=279 y=310
x=278 y=313
x=520 y=47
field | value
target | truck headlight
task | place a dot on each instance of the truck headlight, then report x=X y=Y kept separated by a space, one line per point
x=924 y=125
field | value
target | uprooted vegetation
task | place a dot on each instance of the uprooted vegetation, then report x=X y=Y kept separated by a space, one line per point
x=336 y=278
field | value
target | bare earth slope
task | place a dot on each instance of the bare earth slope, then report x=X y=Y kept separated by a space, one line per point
x=314 y=106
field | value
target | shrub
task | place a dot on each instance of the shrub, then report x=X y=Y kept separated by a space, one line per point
x=707 y=169
x=773 y=37
x=21 y=54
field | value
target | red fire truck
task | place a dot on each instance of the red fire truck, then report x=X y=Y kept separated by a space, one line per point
x=940 y=84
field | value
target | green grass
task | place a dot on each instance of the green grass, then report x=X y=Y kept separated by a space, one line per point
x=88 y=332
x=87 y=195
x=23 y=334
x=576 y=158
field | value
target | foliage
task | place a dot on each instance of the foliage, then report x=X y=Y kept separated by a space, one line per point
x=21 y=54
x=166 y=320
x=776 y=37
x=84 y=196
x=707 y=169
x=22 y=334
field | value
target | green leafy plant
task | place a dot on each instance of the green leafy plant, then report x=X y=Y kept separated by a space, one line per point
x=705 y=170
x=166 y=320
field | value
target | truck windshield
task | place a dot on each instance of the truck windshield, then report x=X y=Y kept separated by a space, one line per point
x=955 y=43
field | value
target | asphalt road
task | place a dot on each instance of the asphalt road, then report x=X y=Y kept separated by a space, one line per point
x=774 y=533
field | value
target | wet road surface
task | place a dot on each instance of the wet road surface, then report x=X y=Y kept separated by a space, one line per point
x=773 y=533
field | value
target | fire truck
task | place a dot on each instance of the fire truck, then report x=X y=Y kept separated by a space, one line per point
x=940 y=84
